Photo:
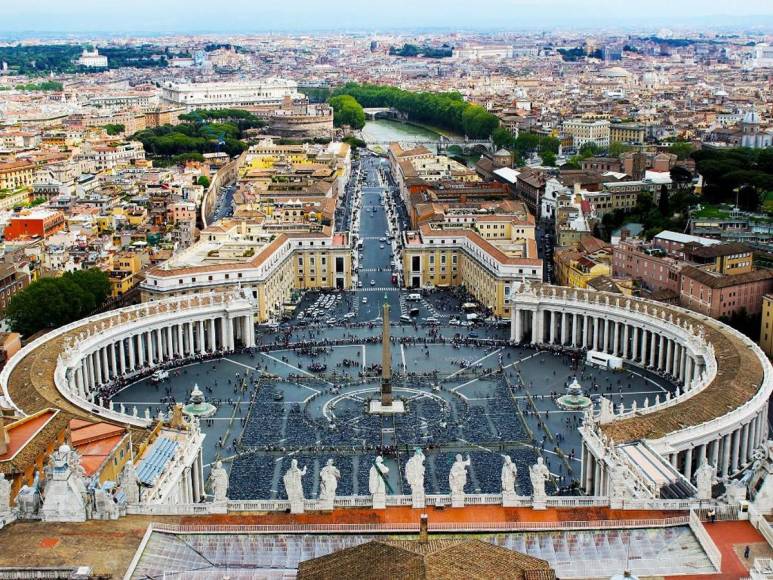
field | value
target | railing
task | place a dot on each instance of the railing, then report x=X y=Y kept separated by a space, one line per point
x=708 y=545
x=762 y=524
x=171 y=509
x=365 y=501
x=381 y=528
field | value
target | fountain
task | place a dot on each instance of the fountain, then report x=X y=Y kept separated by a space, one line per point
x=574 y=399
x=197 y=406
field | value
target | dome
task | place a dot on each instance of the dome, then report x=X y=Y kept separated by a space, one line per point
x=752 y=117
x=615 y=72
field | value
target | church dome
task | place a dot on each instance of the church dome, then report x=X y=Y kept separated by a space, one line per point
x=752 y=117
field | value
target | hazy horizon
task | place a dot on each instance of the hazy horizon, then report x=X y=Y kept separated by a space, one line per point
x=113 y=17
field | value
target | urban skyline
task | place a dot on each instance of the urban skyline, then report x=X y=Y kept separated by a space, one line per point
x=327 y=290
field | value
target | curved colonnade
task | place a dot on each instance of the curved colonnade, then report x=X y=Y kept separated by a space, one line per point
x=719 y=411
x=68 y=367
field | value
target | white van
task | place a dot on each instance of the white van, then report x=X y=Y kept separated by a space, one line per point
x=414 y=297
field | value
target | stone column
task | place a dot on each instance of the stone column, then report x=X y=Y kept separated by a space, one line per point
x=160 y=344
x=669 y=355
x=105 y=364
x=534 y=327
x=212 y=339
x=616 y=339
x=688 y=464
x=715 y=453
x=637 y=355
x=575 y=333
x=744 y=444
x=97 y=367
x=661 y=352
x=79 y=381
x=180 y=342
x=595 y=333
x=517 y=330
x=564 y=329
x=132 y=360
x=653 y=339
x=606 y=340
x=122 y=356
x=190 y=350
x=229 y=332
x=585 y=342
x=626 y=348
x=734 y=461
x=552 y=326
x=141 y=349
x=199 y=331
x=726 y=455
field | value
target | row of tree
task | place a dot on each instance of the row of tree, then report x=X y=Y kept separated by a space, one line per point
x=205 y=131
x=54 y=302
x=60 y=58
x=443 y=110
x=735 y=175
x=525 y=144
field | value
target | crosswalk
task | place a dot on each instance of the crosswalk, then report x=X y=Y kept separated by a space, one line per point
x=378 y=289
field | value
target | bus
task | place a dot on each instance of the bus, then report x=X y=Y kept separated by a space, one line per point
x=604 y=360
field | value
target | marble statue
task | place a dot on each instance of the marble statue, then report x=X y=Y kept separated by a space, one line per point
x=328 y=483
x=294 y=486
x=539 y=474
x=618 y=488
x=509 y=474
x=377 y=483
x=5 y=495
x=377 y=477
x=457 y=479
x=129 y=483
x=28 y=501
x=219 y=477
x=704 y=479
x=105 y=507
x=66 y=495
x=414 y=474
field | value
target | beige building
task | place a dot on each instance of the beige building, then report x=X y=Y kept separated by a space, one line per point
x=588 y=131
x=271 y=265
x=485 y=256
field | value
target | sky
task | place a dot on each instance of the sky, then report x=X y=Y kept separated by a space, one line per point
x=245 y=16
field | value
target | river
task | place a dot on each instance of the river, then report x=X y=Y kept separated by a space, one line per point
x=381 y=132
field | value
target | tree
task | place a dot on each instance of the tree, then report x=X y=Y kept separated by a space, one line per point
x=445 y=110
x=682 y=149
x=203 y=180
x=114 y=128
x=548 y=159
x=616 y=149
x=663 y=202
x=347 y=111
x=748 y=198
x=589 y=149
x=53 y=302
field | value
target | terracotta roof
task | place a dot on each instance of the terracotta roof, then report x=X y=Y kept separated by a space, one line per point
x=438 y=559
x=719 y=250
x=719 y=281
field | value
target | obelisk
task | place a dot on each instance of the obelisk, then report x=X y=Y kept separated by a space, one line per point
x=386 y=360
